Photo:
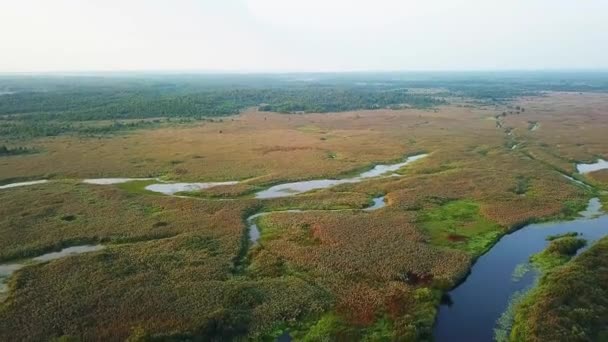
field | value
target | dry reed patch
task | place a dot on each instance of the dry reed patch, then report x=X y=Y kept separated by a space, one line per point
x=573 y=125
x=600 y=176
x=32 y=218
x=264 y=146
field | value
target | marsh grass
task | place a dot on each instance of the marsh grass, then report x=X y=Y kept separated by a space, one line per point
x=570 y=302
x=520 y=271
x=559 y=251
x=458 y=224
x=184 y=268
x=504 y=324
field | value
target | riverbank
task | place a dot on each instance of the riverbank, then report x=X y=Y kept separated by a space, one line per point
x=475 y=306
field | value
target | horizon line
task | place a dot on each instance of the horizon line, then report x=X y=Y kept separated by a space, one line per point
x=286 y=72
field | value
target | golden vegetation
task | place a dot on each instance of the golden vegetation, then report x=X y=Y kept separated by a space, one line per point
x=45 y=217
x=170 y=270
x=358 y=256
x=600 y=176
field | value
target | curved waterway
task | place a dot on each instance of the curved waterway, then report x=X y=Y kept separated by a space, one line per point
x=14 y=185
x=290 y=189
x=254 y=231
x=472 y=309
x=7 y=269
x=281 y=190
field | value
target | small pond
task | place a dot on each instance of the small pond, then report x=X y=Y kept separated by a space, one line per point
x=601 y=164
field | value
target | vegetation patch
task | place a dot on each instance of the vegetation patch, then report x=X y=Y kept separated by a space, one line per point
x=522 y=184
x=137 y=186
x=570 y=303
x=458 y=224
x=559 y=236
x=68 y=218
x=559 y=251
x=225 y=191
x=183 y=268
x=13 y=151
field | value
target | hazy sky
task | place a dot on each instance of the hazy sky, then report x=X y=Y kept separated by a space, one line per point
x=302 y=35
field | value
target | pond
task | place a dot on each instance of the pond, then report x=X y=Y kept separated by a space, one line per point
x=601 y=164
x=472 y=309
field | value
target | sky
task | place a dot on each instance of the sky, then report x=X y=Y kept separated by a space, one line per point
x=302 y=35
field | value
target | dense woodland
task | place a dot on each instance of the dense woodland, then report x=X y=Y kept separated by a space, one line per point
x=49 y=105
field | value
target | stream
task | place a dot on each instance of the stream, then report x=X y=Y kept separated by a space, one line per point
x=254 y=230
x=14 y=185
x=473 y=308
x=168 y=188
x=280 y=190
x=290 y=189
x=7 y=269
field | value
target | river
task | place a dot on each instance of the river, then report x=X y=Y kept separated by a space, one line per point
x=472 y=309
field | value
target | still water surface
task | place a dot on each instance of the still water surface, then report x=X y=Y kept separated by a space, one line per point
x=474 y=306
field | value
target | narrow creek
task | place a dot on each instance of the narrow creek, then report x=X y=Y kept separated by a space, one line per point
x=254 y=231
x=7 y=269
x=472 y=309
x=14 y=185
x=474 y=306
x=169 y=188
x=294 y=188
x=280 y=190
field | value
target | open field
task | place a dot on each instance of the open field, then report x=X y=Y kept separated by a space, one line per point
x=183 y=267
x=570 y=127
x=264 y=147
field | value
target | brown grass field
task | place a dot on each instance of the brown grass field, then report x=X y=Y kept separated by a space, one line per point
x=181 y=267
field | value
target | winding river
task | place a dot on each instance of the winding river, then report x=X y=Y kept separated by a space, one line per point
x=168 y=188
x=290 y=189
x=472 y=309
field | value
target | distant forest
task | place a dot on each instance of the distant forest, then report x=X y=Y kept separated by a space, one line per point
x=32 y=106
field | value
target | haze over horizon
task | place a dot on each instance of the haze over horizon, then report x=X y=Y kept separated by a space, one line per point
x=302 y=36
